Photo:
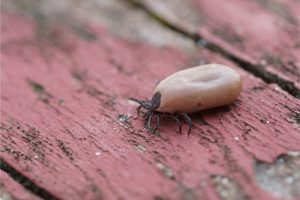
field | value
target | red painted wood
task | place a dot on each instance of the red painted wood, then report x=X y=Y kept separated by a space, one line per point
x=13 y=190
x=262 y=32
x=62 y=97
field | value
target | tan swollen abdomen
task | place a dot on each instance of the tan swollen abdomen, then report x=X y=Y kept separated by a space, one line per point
x=199 y=88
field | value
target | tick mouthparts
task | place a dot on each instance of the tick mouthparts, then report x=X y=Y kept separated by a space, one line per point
x=133 y=99
x=141 y=102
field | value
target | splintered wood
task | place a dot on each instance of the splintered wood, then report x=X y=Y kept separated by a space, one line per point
x=68 y=130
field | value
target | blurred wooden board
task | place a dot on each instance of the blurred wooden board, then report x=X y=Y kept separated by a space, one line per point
x=263 y=33
x=66 y=123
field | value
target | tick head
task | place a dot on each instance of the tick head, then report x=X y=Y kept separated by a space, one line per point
x=149 y=105
x=155 y=101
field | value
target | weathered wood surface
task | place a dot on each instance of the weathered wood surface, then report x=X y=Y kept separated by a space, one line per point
x=67 y=126
x=262 y=33
x=265 y=32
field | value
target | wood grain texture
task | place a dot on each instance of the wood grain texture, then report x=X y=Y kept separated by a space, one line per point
x=67 y=125
x=264 y=33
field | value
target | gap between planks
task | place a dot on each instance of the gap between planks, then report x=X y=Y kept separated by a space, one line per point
x=26 y=182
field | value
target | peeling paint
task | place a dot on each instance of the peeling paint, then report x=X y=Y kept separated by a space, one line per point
x=280 y=178
x=228 y=189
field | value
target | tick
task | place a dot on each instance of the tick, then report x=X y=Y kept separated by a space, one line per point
x=191 y=90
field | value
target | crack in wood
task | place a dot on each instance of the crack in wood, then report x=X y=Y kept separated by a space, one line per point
x=255 y=69
x=26 y=182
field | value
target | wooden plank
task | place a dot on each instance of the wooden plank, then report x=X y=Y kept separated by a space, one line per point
x=263 y=33
x=120 y=18
x=247 y=29
x=66 y=122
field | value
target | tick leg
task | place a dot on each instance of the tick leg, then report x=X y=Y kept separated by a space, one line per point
x=149 y=121
x=146 y=117
x=157 y=122
x=147 y=114
x=189 y=121
x=138 y=111
x=177 y=121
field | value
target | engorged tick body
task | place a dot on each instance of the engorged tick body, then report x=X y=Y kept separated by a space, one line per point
x=192 y=90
